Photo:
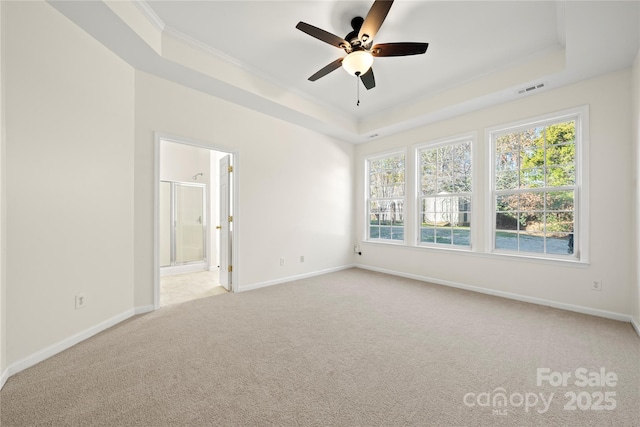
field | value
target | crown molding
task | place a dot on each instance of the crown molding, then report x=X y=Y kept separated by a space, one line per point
x=148 y=12
x=167 y=31
x=195 y=43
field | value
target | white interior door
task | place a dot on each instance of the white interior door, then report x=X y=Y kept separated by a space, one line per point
x=226 y=224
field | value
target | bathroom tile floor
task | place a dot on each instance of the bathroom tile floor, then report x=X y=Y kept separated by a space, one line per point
x=178 y=288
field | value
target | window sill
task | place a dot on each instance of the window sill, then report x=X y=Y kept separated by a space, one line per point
x=489 y=255
x=386 y=242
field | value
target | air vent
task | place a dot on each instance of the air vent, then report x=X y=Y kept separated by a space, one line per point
x=531 y=88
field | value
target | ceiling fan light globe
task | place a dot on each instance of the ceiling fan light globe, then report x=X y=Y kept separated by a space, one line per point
x=358 y=62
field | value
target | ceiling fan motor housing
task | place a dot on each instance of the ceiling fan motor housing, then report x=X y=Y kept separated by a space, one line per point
x=352 y=37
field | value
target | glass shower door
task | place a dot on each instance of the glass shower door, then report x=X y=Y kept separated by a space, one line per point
x=182 y=223
x=189 y=223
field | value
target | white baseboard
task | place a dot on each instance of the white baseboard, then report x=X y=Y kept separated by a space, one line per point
x=292 y=278
x=144 y=309
x=636 y=325
x=509 y=295
x=181 y=269
x=4 y=376
x=66 y=343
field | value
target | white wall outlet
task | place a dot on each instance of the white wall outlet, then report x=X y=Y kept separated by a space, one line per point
x=596 y=285
x=356 y=249
x=81 y=300
x=282 y=262
x=301 y=258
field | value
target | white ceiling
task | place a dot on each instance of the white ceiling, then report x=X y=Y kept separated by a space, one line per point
x=480 y=53
x=263 y=36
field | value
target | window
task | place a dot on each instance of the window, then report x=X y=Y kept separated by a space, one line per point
x=536 y=187
x=535 y=198
x=444 y=194
x=386 y=197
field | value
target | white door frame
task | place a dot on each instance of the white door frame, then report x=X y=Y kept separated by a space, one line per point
x=225 y=221
x=235 y=157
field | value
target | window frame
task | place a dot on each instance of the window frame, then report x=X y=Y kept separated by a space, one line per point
x=368 y=199
x=581 y=186
x=470 y=137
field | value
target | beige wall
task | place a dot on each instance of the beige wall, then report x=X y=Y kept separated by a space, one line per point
x=609 y=99
x=295 y=186
x=3 y=299
x=180 y=162
x=69 y=138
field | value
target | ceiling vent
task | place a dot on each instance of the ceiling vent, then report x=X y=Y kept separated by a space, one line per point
x=530 y=88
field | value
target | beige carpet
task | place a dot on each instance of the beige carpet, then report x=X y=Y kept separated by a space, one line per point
x=352 y=348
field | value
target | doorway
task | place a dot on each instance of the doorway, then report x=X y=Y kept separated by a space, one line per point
x=195 y=218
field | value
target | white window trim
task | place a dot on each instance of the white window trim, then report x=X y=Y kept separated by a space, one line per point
x=367 y=198
x=581 y=230
x=436 y=143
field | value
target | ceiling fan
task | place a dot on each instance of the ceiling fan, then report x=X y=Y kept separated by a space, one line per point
x=358 y=45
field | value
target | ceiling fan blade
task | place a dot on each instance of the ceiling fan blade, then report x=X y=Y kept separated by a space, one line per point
x=399 y=49
x=323 y=35
x=374 y=20
x=368 y=80
x=326 y=70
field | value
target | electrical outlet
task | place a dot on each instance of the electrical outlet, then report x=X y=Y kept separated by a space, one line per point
x=356 y=249
x=282 y=262
x=301 y=258
x=81 y=300
x=596 y=285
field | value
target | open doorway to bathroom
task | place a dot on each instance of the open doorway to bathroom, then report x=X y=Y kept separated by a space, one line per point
x=194 y=226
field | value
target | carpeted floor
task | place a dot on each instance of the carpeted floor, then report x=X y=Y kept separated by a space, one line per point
x=352 y=348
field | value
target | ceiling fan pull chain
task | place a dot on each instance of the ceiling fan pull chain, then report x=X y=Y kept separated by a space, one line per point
x=358 y=89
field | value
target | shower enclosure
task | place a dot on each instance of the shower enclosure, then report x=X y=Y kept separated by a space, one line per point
x=182 y=223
